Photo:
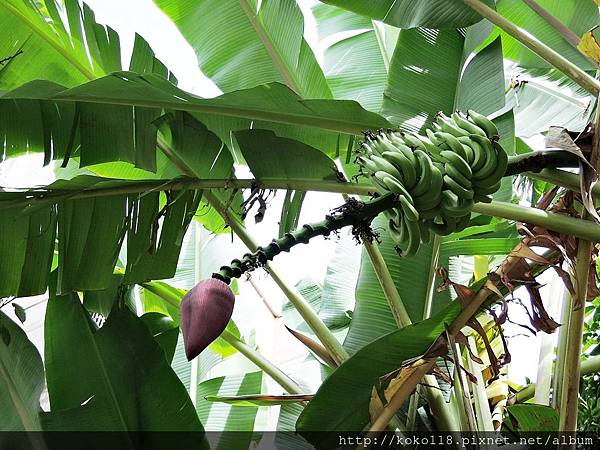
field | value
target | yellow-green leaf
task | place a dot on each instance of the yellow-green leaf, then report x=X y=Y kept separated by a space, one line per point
x=588 y=45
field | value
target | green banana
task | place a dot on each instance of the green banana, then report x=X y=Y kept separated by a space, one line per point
x=396 y=232
x=432 y=197
x=458 y=189
x=463 y=222
x=485 y=124
x=429 y=214
x=453 y=143
x=367 y=164
x=410 y=213
x=501 y=162
x=425 y=232
x=404 y=166
x=371 y=148
x=453 y=206
x=487 y=190
x=432 y=149
x=424 y=182
x=390 y=214
x=384 y=145
x=393 y=184
x=457 y=176
x=379 y=184
x=481 y=198
x=467 y=125
x=414 y=238
x=413 y=141
x=448 y=226
x=479 y=158
x=401 y=147
x=449 y=126
x=458 y=162
x=433 y=138
x=490 y=160
x=470 y=154
x=386 y=166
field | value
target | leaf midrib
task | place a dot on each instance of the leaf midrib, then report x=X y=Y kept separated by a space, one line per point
x=106 y=379
x=277 y=59
x=324 y=123
x=49 y=40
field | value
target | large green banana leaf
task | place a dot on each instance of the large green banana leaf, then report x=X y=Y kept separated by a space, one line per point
x=419 y=86
x=481 y=86
x=59 y=129
x=90 y=234
x=372 y=316
x=21 y=379
x=414 y=13
x=96 y=226
x=337 y=298
x=423 y=77
x=354 y=64
x=240 y=46
x=341 y=403
x=43 y=30
x=121 y=91
x=125 y=371
x=26 y=247
x=70 y=47
x=65 y=41
x=272 y=157
x=45 y=40
x=531 y=418
x=356 y=71
x=333 y=19
x=333 y=298
x=165 y=332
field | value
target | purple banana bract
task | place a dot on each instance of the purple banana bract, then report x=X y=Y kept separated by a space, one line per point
x=205 y=312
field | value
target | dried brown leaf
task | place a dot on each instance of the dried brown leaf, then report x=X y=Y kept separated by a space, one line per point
x=314 y=346
x=558 y=137
x=494 y=362
x=462 y=340
x=376 y=404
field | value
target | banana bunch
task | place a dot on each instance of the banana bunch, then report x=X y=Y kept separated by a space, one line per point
x=437 y=177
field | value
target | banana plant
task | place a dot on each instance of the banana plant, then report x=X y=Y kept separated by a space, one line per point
x=405 y=110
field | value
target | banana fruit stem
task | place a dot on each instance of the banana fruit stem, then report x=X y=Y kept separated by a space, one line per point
x=569 y=400
x=353 y=213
